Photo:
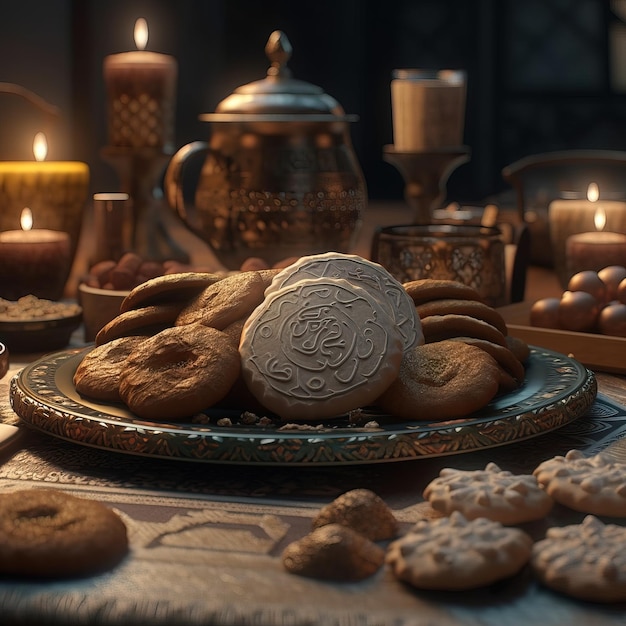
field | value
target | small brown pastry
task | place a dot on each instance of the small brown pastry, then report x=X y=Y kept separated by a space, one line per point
x=333 y=552
x=361 y=510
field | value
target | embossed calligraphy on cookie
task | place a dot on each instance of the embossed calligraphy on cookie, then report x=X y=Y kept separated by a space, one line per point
x=319 y=348
x=368 y=275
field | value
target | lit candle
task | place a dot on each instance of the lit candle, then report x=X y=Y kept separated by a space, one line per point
x=56 y=191
x=141 y=89
x=595 y=250
x=571 y=217
x=33 y=261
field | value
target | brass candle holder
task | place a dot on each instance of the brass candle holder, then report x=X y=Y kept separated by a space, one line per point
x=425 y=176
x=138 y=170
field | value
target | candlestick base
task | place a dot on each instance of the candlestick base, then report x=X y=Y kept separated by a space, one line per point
x=138 y=170
x=425 y=176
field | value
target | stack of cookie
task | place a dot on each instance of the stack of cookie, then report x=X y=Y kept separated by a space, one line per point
x=320 y=338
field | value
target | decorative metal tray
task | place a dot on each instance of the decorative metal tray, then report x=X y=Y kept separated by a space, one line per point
x=557 y=390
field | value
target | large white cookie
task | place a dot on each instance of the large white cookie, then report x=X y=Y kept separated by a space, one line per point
x=319 y=348
x=367 y=274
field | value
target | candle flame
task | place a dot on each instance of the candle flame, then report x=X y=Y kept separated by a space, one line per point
x=599 y=218
x=141 y=33
x=26 y=219
x=40 y=147
x=593 y=192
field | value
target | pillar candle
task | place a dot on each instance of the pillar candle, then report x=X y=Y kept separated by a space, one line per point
x=33 y=262
x=594 y=251
x=141 y=96
x=571 y=217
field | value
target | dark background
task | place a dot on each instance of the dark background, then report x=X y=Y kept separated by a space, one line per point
x=542 y=74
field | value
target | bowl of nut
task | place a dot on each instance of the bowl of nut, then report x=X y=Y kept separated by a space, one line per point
x=32 y=324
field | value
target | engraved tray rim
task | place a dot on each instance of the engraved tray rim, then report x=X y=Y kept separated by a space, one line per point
x=557 y=390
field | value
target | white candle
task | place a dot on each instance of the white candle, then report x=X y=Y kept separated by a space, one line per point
x=141 y=94
x=595 y=250
x=33 y=261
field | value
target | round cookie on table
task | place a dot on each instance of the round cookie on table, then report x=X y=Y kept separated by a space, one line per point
x=492 y=493
x=585 y=561
x=589 y=484
x=48 y=533
x=453 y=553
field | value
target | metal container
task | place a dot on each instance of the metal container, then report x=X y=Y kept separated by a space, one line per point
x=280 y=177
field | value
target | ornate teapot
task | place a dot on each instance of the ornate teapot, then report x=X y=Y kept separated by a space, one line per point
x=280 y=177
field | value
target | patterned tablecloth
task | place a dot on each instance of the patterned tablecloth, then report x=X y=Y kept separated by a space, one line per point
x=206 y=539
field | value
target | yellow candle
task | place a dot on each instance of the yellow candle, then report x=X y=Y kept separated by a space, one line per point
x=141 y=94
x=56 y=192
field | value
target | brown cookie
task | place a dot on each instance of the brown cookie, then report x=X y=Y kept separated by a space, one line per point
x=145 y=321
x=234 y=329
x=585 y=561
x=503 y=356
x=98 y=374
x=319 y=348
x=333 y=552
x=518 y=347
x=167 y=289
x=441 y=381
x=442 y=327
x=426 y=289
x=50 y=533
x=473 y=308
x=363 y=511
x=492 y=493
x=453 y=553
x=178 y=372
x=225 y=301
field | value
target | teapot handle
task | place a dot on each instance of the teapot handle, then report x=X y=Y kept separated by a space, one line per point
x=173 y=181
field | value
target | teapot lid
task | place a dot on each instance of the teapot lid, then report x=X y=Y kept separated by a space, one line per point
x=278 y=96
